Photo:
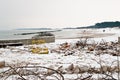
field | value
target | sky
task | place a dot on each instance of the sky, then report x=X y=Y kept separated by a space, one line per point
x=56 y=13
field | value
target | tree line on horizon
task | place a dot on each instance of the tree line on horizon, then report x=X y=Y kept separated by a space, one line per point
x=103 y=25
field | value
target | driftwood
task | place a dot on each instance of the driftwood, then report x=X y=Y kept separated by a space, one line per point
x=112 y=48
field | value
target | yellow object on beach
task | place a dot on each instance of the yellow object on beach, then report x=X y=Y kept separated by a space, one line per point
x=40 y=50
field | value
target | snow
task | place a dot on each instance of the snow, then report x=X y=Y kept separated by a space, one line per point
x=14 y=55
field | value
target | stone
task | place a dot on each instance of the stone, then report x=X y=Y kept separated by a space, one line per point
x=91 y=48
x=84 y=69
x=76 y=69
x=50 y=72
x=2 y=64
x=104 y=68
x=70 y=69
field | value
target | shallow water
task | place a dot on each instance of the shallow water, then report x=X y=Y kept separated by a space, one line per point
x=10 y=34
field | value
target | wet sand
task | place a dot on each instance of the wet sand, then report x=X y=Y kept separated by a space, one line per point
x=86 y=35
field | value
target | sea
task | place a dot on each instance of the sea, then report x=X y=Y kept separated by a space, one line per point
x=59 y=33
x=12 y=34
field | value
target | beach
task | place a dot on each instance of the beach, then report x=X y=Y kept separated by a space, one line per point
x=82 y=58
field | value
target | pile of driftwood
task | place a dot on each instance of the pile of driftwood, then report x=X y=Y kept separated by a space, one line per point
x=112 y=48
x=103 y=47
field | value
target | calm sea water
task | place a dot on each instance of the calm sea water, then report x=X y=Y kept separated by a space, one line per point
x=10 y=34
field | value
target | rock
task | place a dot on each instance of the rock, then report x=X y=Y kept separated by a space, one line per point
x=117 y=69
x=76 y=69
x=2 y=64
x=104 y=68
x=111 y=69
x=109 y=43
x=84 y=69
x=91 y=48
x=50 y=72
x=101 y=48
x=96 y=70
x=70 y=69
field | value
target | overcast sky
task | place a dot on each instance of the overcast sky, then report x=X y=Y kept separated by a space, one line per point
x=56 y=13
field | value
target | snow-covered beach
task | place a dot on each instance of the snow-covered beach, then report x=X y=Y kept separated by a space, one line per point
x=84 y=58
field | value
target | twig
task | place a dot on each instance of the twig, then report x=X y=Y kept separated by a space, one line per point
x=88 y=77
x=17 y=72
x=118 y=67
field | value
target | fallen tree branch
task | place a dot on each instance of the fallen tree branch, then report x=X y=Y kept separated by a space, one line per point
x=13 y=71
